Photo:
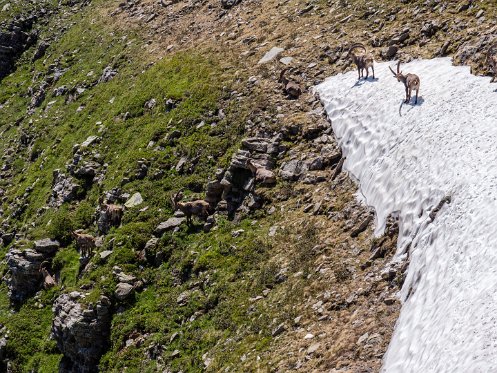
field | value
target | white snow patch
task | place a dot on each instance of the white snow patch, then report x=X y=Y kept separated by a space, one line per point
x=407 y=158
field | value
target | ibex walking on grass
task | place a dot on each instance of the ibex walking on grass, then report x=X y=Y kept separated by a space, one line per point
x=199 y=207
x=411 y=82
x=492 y=63
x=362 y=61
x=84 y=242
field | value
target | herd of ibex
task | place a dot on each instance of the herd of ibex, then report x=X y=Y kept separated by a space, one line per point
x=364 y=61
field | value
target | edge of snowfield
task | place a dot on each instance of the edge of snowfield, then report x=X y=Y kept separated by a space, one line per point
x=406 y=158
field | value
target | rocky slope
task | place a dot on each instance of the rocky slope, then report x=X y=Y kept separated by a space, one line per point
x=108 y=109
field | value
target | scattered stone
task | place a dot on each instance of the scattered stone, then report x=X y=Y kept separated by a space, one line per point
x=89 y=141
x=47 y=246
x=227 y=4
x=292 y=170
x=135 y=200
x=123 y=290
x=313 y=348
x=107 y=75
x=286 y=60
x=391 y=51
x=271 y=55
x=278 y=330
x=105 y=254
x=362 y=227
x=40 y=50
x=168 y=225
x=183 y=298
x=237 y=233
x=389 y=301
x=363 y=338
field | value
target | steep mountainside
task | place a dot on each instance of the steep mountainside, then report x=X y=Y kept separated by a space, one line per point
x=112 y=113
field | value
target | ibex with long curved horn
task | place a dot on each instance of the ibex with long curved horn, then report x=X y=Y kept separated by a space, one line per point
x=362 y=61
x=492 y=63
x=411 y=82
x=199 y=207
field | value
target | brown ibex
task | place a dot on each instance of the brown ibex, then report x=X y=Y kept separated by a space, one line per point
x=492 y=63
x=199 y=207
x=261 y=174
x=109 y=215
x=84 y=242
x=411 y=82
x=290 y=87
x=48 y=280
x=362 y=61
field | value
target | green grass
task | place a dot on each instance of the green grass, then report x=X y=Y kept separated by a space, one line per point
x=221 y=272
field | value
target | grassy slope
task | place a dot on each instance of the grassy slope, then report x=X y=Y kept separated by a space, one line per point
x=222 y=271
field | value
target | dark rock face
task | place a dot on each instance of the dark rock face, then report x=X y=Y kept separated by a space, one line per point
x=24 y=267
x=14 y=40
x=226 y=4
x=25 y=277
x=251 y=165
x=81 y=332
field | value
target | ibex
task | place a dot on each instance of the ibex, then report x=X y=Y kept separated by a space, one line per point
x=199 y=208
x=362 y=61
x=411 y=82
x=48 y=280
x=84 y=242
x=492 y=63
x=109 y=215
x=261 y=174
x=290 y=87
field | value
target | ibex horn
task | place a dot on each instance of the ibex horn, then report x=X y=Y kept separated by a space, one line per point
x=357 y=45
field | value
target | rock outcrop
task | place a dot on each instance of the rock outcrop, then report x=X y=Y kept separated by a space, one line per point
x=14 y=40
x=24 y=267
x=64 y=189
x=25 y=278
x=81 y=331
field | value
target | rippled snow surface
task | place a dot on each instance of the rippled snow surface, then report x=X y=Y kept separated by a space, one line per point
x=406 y=159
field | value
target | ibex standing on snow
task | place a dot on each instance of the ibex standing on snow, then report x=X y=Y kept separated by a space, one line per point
x=48 y=280
x=84 y=242
x=492 y=63
x=411 y=82
x=362 y=61
x=199 y=207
